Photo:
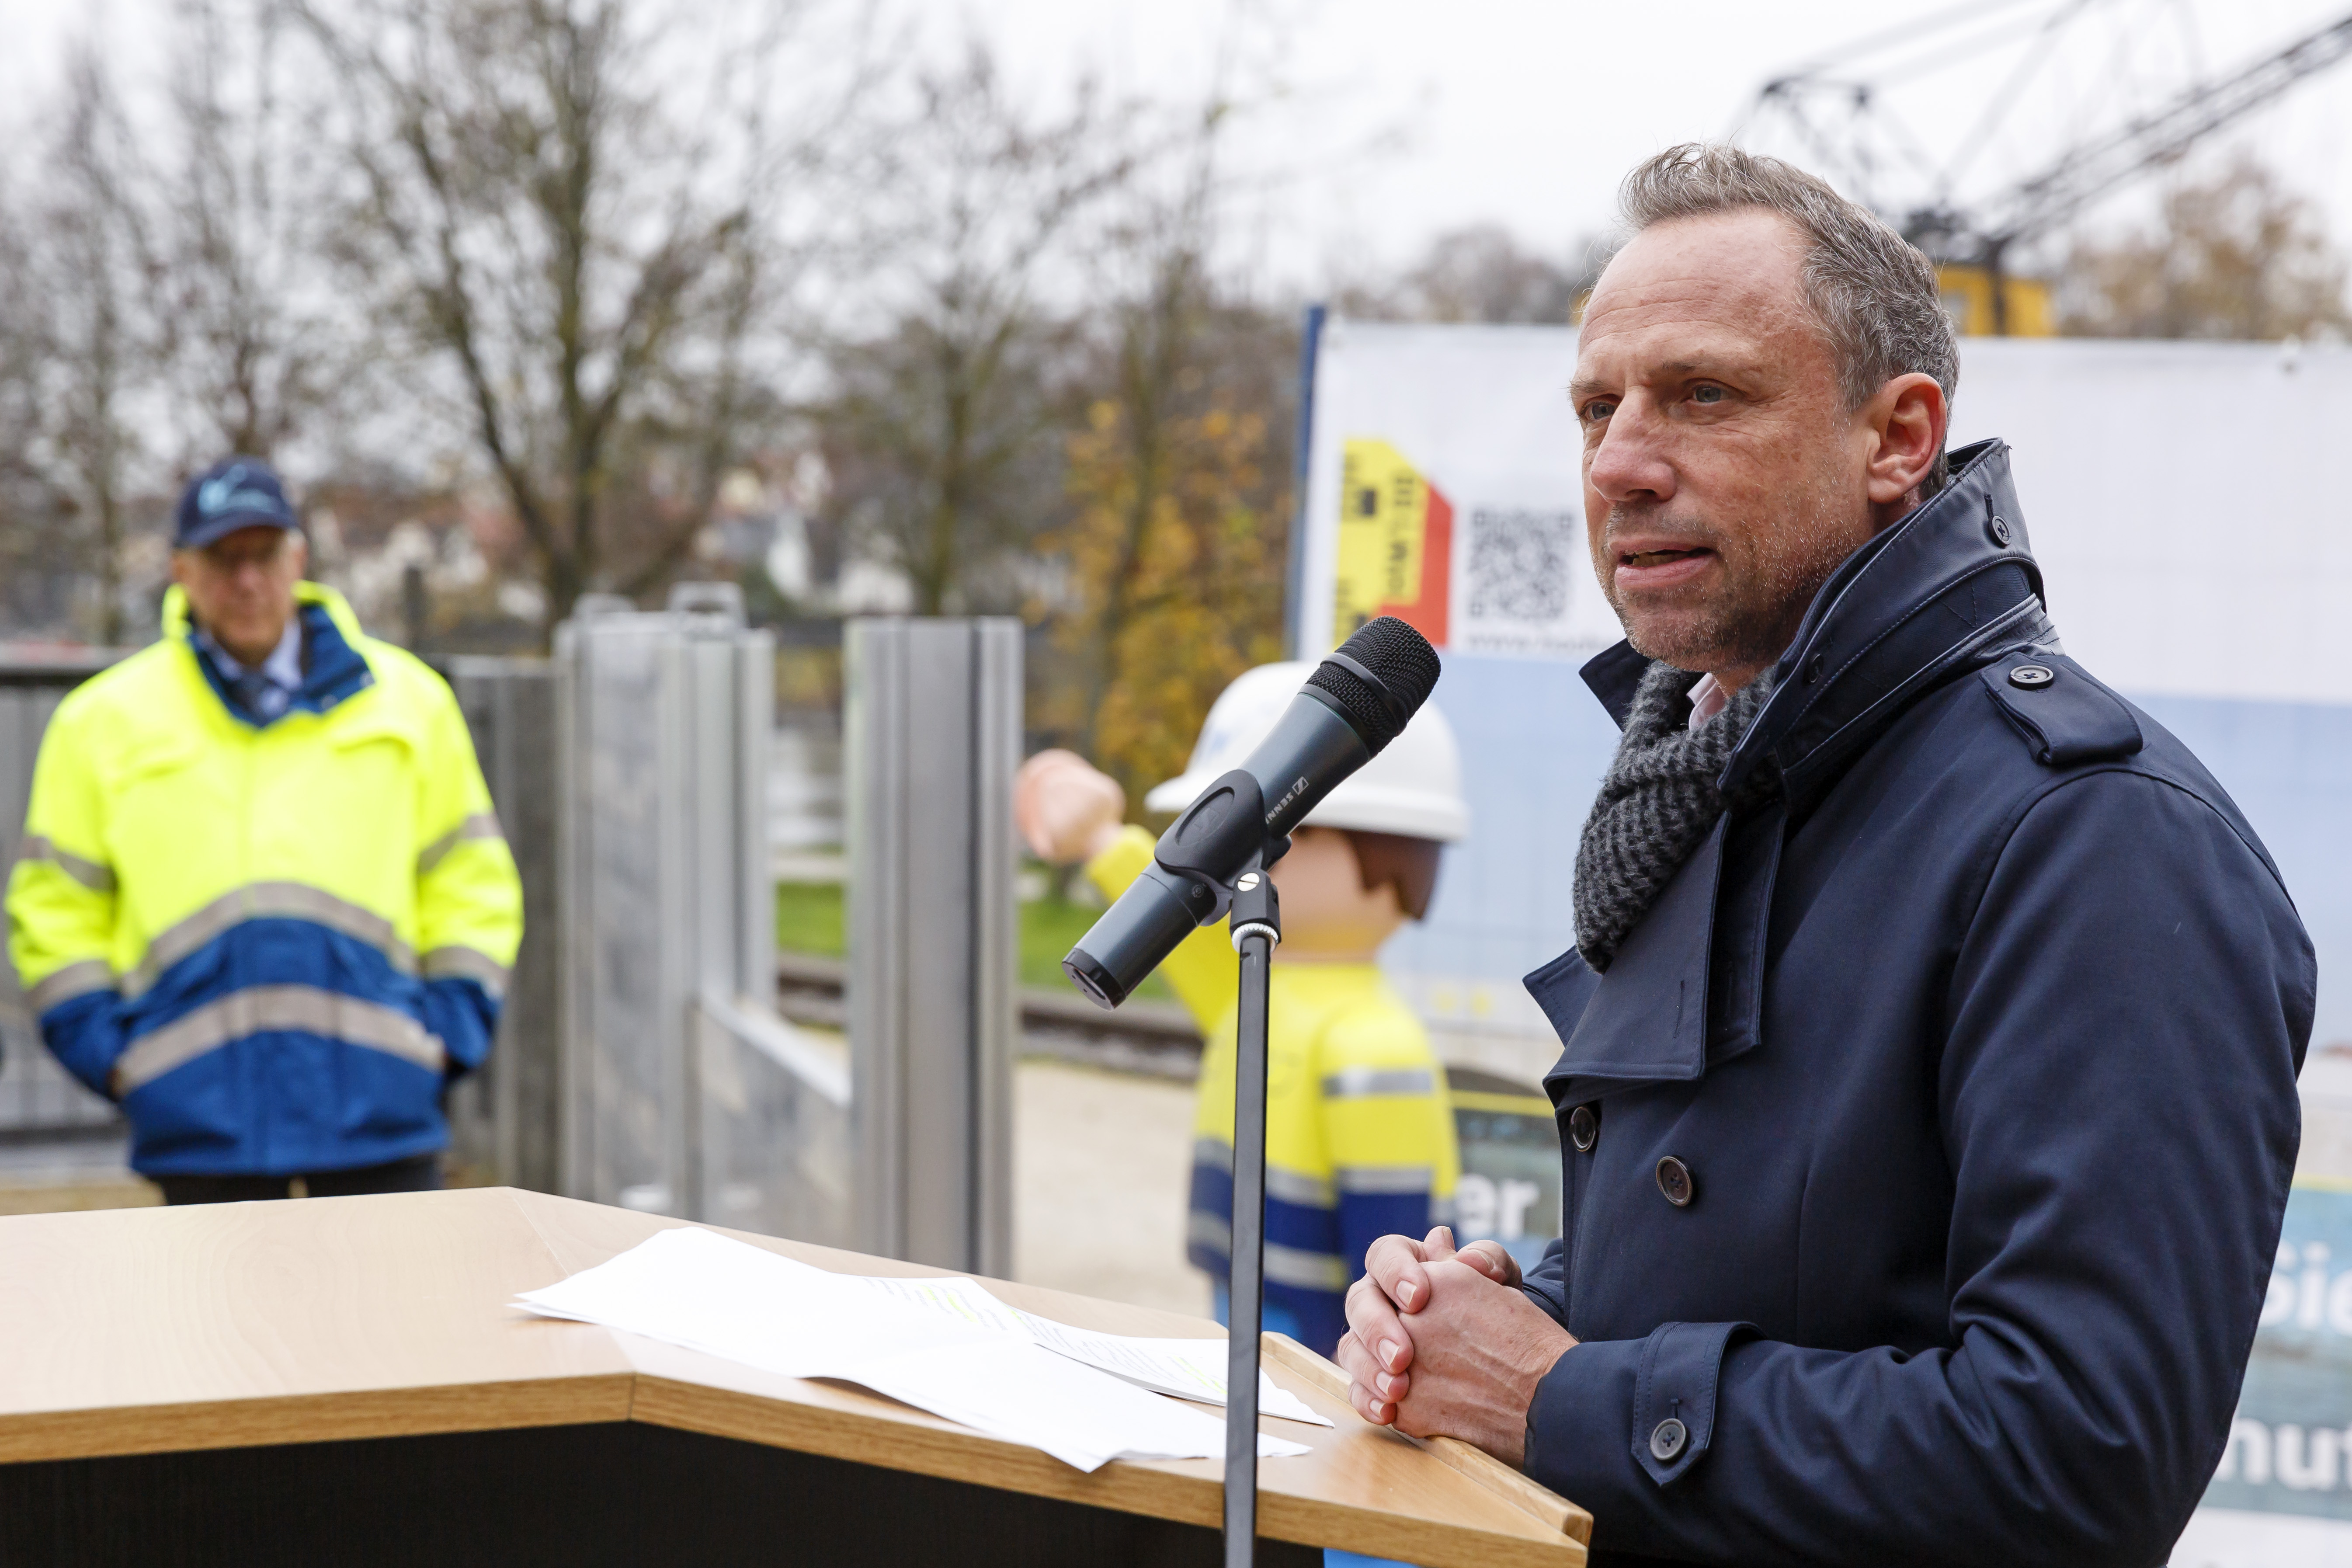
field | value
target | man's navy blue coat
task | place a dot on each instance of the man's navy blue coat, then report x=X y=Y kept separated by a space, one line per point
x=1978 y=1040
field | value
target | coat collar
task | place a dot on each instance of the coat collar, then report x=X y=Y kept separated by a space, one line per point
x=333 y=667
x=337 y=608
x=1946 y=589
x=1937 y=594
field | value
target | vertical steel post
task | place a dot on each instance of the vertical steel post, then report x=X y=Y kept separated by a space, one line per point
x=932 y=733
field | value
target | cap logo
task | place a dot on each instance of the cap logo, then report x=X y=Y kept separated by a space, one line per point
x=224 y=491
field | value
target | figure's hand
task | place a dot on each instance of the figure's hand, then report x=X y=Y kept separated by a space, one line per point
x=1066 y=810
x=1378 y=1349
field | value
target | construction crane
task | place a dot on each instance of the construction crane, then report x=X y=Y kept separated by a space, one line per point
x=1978 y=237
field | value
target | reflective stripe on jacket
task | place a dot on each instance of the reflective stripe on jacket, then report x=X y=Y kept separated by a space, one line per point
x=274 y=941
x=1359 y=1133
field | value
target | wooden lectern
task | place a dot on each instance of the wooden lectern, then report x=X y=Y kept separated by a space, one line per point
x=342 y=1380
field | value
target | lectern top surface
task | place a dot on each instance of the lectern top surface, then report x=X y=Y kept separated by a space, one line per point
x=145 y=1331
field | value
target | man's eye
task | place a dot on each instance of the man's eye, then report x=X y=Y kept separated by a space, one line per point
x=1597 y=410
x=1707 y=394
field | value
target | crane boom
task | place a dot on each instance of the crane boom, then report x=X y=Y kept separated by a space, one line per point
x=2035 y=205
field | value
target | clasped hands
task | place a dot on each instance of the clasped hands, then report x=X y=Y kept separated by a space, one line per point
x=1442 y=1342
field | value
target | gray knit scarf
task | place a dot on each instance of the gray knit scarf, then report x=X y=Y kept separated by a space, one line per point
x=1657 y=804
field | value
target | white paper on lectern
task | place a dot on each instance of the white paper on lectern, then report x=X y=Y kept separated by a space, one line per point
x=1188 y=1369
x=944 y=1352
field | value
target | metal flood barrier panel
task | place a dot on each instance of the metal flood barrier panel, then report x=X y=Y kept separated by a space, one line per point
x=932 y=738
x=502 y=1118
x=679 y=1090
x=40 y=1100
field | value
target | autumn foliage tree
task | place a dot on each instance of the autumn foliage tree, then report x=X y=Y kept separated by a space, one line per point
x=1178 y=487
x=2233 y=255
x=1176 y=549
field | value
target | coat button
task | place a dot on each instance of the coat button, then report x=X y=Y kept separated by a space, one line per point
x=1675 y=1180
x=1997 y=526
x=1583 y=1128
x=2032 y=677
x=1666 y=1439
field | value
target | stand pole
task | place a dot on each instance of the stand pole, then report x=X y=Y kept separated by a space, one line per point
x=1257 y=927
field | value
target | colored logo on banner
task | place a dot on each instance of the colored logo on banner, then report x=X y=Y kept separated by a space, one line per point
x=1396 y=544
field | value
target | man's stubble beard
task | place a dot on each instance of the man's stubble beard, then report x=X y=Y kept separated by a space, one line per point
x=1769 y=577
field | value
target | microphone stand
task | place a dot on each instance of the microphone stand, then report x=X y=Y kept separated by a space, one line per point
x=1257 y=928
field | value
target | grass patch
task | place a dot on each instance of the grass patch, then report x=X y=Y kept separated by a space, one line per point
x=810 y=919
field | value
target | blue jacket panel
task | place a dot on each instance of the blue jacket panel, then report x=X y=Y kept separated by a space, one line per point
x=1978 y=1039
x=1317 y=1309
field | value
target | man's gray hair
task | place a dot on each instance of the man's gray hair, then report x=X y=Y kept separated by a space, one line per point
x=1875 y=294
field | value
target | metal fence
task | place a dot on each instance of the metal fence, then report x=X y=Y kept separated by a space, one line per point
x=680 y=1091
x=502 y=1118
x=39 y=1101
x=640 y=1060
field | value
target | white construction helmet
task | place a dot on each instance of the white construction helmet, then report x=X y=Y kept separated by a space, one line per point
x=1413 y=787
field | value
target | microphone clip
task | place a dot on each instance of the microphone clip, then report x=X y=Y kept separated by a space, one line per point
x=1220 y=840
x=1257 y=908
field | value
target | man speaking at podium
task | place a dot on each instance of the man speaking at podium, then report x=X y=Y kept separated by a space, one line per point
x=1927 y=1106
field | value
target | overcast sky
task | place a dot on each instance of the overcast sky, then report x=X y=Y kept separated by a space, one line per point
x=1409 y=118
x=1527 y=113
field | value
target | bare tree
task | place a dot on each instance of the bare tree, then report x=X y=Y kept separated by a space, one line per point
x=940 y=432
x=571 y=207
x=1482 y=273
x=88 y=264
x=36 y=516
x=247 y=320
x=2232 y=255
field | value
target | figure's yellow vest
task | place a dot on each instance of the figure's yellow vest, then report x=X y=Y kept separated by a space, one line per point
x=1358 y=1130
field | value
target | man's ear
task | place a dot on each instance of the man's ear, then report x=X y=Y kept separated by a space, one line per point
x=298 y=546
x=1906 y=420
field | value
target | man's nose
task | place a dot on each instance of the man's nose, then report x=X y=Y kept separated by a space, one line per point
x=1630 y=464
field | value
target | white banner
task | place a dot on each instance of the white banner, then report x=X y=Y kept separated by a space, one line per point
x=2187 y=508
x=2182 y=499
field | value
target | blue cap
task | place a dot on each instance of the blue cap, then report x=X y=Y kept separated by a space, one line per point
x=240 y=492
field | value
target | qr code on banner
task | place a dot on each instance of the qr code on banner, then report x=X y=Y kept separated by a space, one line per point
x=1519 y=563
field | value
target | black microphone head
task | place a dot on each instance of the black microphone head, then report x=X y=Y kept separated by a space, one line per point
x=1378 y=679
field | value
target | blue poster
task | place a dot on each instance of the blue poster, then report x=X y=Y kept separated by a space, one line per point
x=2283 y=1495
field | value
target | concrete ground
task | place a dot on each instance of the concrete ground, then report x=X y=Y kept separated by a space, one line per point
x=124 y=1190
x=1101 y=1164
x=72 y=1172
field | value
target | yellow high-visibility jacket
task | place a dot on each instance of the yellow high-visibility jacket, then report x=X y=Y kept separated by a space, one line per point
x=1358 y=1130
x=274 y=940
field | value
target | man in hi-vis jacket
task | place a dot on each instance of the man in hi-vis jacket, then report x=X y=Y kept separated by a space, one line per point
x=1928 y=1104
x=261 y=898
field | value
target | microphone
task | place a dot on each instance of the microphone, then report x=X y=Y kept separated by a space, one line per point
x=1358 y=700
